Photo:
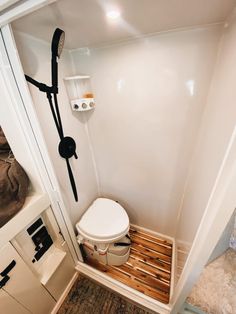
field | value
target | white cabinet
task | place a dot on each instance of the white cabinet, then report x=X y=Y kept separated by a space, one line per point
x=54 y=268
x=22 y=286
x=9 y=306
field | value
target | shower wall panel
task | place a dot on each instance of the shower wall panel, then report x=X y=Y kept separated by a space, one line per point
x=36 y=57
x=150 y=94
x=218 y=123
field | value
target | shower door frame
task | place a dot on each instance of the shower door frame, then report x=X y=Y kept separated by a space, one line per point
x=219 y=209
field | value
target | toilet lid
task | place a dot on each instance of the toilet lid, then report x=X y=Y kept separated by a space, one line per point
x=104 y=221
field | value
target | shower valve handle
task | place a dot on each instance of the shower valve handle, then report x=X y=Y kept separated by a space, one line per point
x=67 y=148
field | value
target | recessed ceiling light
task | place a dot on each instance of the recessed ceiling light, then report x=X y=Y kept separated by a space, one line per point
x=113 y=15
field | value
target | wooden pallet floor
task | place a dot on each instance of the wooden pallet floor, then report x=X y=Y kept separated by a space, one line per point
x=148 y=269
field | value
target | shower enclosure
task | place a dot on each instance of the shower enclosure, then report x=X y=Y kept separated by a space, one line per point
x=161 y=137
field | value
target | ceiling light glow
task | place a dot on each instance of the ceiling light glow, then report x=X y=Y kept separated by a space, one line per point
x=113 y=15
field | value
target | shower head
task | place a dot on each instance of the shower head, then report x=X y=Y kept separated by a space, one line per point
x=57 y=42
x=56 y=48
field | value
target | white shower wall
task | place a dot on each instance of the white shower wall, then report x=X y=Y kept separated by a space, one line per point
x=36 y=60
x=150 y=95
x=218 y=123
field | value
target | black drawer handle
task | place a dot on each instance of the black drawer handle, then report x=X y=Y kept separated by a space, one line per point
x=5 y=272
x=4 y=281
x=8 y=268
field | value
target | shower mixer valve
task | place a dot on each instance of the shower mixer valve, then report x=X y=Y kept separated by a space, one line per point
x=67 y=147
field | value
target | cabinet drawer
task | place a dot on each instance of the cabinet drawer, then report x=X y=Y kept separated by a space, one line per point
x=22 y=285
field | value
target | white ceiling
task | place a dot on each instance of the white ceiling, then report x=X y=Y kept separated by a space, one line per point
x=85 y=22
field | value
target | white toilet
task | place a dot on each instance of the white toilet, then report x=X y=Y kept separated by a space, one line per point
x=103 y=232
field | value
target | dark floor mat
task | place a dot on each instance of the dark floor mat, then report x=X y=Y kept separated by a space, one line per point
x=87 y=297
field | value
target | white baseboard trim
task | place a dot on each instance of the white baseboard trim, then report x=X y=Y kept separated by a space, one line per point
x=65 y=293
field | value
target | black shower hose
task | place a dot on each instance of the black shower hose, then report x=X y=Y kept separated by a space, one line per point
x=67 y=145
x=57 y=119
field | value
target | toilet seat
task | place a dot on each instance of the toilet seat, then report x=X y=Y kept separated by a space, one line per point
x=105 y=221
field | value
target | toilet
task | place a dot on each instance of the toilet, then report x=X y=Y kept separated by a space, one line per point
x=103 y=232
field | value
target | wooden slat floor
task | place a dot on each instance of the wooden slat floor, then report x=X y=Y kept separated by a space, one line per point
x=148 y=269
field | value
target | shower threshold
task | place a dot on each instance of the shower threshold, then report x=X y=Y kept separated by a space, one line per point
x=148 y=269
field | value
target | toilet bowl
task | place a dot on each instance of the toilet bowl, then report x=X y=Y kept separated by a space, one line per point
x=103 y=232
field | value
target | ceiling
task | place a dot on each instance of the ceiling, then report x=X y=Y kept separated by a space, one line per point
x=6 y=3
x=86 y=24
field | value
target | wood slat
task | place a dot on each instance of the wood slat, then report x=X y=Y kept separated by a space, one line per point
x=150 y=237
x=145 y=278
x=151 y=253
x=155 y=272
x=150 y=245
x=154 y=262
x=140 y=236
x=127 y=280
x=148 y=269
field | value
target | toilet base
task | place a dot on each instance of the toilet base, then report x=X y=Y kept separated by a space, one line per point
x=108 y=253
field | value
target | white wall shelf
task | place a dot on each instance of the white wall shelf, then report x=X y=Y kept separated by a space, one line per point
x=76 y=77
x=79 y=91
x=82 y=104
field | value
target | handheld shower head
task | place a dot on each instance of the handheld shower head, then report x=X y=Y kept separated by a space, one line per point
x=57 y=42
x=56 y=49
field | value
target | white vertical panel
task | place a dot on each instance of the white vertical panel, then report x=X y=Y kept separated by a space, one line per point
x=219 y=209
x=216 y=127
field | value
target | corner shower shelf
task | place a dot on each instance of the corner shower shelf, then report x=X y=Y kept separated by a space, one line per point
x=76 y=77
x=82 y=104
x=77 y=87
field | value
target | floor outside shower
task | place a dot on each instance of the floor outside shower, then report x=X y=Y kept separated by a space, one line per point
x=148 y=269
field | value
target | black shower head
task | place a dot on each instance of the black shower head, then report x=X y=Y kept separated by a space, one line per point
x=57 y=42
